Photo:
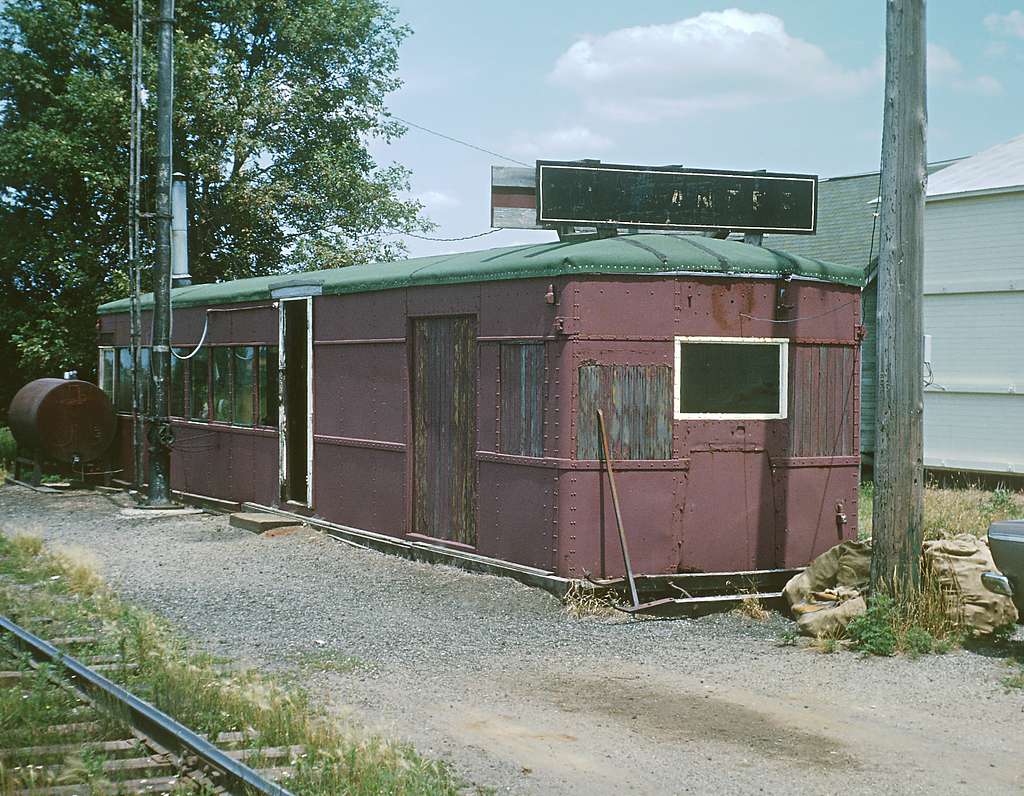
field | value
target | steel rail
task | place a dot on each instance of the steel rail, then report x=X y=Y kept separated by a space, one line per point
x=155 y=724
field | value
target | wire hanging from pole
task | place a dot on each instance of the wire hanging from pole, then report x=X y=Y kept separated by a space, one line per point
x=134 y=264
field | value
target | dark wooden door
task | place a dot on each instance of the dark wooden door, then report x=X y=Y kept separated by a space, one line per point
x=444 y=388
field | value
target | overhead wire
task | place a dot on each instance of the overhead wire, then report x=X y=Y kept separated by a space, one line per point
x=459 y=141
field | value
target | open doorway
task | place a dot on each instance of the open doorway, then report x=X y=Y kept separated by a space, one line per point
x=296 y=420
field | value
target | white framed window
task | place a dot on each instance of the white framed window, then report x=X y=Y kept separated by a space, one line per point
x=105 y=370
x=731 y=378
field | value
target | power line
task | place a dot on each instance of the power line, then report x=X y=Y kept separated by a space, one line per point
x=444 y=240
x=459 y=141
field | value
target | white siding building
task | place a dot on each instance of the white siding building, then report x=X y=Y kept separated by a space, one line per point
x=974 y=313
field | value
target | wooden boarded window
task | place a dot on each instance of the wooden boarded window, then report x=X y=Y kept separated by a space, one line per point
x=821 y=386
x=637 y=405
x=444 y=391
x=522 y=399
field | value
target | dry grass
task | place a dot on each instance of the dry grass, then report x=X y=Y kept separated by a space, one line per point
x=583 y=599
x=753 y=608
x=951 y=511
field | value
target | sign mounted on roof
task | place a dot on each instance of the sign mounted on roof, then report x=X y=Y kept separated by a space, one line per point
x=558 y=194
x=651 y=197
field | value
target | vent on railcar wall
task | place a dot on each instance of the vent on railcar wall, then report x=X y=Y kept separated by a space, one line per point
x=821 y=389
x=522 y=399
x=637 y=404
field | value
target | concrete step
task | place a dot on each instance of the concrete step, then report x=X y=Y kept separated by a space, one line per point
x=258 y=522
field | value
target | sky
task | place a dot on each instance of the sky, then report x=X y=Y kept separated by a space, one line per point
x=784 y=86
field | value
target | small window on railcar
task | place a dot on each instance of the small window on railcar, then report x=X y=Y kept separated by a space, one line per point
x=123 y=388
x=268 y=386
x=731 y=378
x=178 y=382
x=220 y=382
x=147 y=380
x=242 y=363
x=522 y=399
x=106 y=378
x=199 y=374
x=636 y=401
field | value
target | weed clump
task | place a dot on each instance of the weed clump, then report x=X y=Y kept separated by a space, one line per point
x=582 y=599
x=920 y=624
x=872 y=632
x=1015 y=680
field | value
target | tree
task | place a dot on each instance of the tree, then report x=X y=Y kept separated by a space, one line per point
x=275 y=105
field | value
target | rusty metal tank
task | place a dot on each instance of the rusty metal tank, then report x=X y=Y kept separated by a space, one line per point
x=62 y=419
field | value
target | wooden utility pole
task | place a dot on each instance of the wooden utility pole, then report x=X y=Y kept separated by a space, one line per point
x=899 y=459
x=160 y=428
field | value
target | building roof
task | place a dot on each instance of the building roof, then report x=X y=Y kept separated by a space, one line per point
x=847 y=231
x=998 y=169
x=639 y=254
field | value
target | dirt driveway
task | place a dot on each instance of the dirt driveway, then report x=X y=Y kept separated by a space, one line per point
x=522 y=698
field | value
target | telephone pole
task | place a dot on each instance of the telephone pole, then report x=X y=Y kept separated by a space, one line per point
x=899 y=459
x=160 y=427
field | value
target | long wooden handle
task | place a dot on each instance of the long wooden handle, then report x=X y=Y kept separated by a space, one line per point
x=618 y=511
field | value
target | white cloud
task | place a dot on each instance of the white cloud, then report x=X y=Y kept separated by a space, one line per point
x=572 y=142
x=1011 y=24
x=986 y=85
x=436 y=200
x=941 y=62
x=945 y=69
x=715 y=60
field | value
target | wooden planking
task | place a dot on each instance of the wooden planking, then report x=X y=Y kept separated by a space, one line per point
x=522 y=399
x=515 y=218
x=868 y=367
x=637 y=404
x=514 y=177
x=514 y=197
x=821 y=382
x=444 y=428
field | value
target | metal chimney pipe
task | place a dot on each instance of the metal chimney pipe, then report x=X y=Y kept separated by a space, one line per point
x=180 y=276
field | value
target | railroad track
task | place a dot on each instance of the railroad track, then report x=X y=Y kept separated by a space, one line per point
x=117 y=739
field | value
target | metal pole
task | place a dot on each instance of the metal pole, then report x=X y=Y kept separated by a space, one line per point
x=899 y=459
x=134 y=261
x=160 y=364
x=618 y=512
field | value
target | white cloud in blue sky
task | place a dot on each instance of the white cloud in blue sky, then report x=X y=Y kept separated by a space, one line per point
x=785 y=85
x=714 y=61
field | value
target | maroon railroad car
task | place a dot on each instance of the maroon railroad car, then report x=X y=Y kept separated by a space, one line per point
x=454 y=400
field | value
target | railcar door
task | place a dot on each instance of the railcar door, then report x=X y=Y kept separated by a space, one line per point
x=296 y=418
x=444 y=395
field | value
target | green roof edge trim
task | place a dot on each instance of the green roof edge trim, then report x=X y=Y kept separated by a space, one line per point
x=657 y=255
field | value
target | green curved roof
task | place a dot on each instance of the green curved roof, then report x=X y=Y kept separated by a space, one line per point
x=641 y=254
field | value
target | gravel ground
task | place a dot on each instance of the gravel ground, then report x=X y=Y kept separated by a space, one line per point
x=520 y=697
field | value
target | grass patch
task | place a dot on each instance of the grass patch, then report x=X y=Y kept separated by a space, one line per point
x=1015 y=680
x=583 y=599
x=331 y=661
x=950 y=511
x=918 y=625
x=191 y=687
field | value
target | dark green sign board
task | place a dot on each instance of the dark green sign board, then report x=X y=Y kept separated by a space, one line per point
x=655 y=197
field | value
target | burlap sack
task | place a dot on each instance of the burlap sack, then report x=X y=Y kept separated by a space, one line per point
x=827 y=595
x=845 y=566
x=958 y=564
x=826 y=614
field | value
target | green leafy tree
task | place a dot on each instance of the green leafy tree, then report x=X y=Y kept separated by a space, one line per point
x=275 y=105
